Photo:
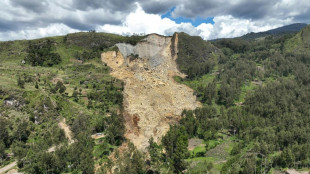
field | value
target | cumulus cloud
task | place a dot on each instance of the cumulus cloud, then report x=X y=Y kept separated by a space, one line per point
x=224 y=26
x=140 y=22
x=229 y=26
x=50 y=30
x=22 y=19
x=254 y=9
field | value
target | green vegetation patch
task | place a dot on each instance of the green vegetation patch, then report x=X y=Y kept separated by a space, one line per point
x=196 y=56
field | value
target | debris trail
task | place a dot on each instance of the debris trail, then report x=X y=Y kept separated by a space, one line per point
x=152 y=99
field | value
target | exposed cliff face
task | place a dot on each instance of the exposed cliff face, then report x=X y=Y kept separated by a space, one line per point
x=152 y=99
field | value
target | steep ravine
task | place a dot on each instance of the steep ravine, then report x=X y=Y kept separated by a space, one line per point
x=152 y=99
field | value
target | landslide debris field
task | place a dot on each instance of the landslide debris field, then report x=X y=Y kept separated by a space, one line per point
x=152 y=99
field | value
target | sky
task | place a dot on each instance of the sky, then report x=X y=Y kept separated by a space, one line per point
x=210 y=19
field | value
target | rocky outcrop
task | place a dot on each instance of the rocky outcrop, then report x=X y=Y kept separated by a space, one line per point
x=152 y=99
x=16 y=103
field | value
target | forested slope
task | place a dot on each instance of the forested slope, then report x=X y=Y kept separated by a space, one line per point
x=258 y=95
x=287 y=29
x=46 y=80
x=254 y=116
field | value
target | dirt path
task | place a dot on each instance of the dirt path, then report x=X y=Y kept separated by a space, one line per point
x=8 y=167
x=152 y=99
x=293 y=171
x=51 y=149
x=62 y=124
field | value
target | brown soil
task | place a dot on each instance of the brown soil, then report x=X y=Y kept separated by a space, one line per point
x=62 y=124
x=57 y=79
x=8 y=167
x=293 y=171
x=152 y=99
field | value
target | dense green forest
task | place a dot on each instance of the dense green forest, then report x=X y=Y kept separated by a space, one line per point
x=254 y=117
x=259 y=94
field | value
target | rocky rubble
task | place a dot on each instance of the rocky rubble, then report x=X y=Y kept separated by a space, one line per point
x=152 y=99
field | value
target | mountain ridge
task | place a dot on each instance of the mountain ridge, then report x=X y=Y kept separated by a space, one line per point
x=286 y=29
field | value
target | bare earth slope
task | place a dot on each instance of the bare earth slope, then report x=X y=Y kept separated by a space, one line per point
x=152 y=99
x=8 y=167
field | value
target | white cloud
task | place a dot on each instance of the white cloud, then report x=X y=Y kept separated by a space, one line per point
x=50 y=30
x=140 y=22
x=228 y=26
x=224 y=27
x=206 y=30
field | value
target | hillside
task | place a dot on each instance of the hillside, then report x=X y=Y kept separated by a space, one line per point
x=104 y=103
x=195 y=56
x=46 y=81
x=300 y=43
x=287 y=29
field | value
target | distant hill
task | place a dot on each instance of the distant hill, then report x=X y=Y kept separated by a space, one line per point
x=292 y=28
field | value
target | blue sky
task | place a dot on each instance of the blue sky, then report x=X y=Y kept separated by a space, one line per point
x=194 y=21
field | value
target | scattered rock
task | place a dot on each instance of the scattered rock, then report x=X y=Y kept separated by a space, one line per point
x=152 y=99
x=15 y=103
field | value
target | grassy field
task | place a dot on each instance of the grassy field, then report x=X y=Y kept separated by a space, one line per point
x=215 y=155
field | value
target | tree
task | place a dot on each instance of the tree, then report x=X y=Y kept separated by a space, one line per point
x=189 y=122
x=21 y=131
x=155 y=151
x=89 y=104
x=175 y=143
x=116 y=129
x=131 y=161
x=40 y=54
x=36 y=85
x=249 y=167
x=81 y=151
x=4 y=134
x=210 y=92
x=61 y=87
x=21 y=83
x=286 y=158
x=75 y=96
x=2 y=150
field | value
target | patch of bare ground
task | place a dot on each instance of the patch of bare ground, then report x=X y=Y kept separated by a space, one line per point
x=152 y=99
x=62 y=124
x=194 y=142
x=290 y=171
x=293 y=171
x=97 y=136
x=8 y=167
